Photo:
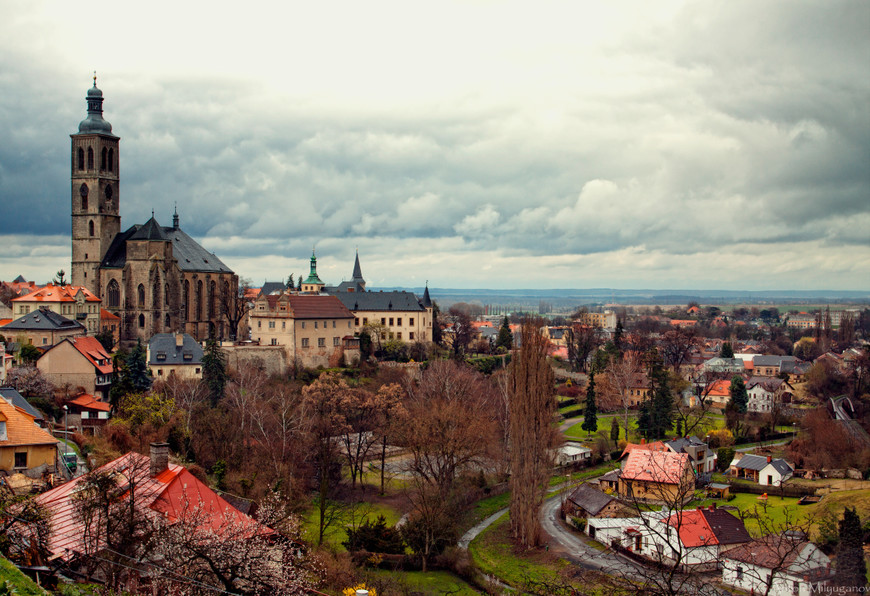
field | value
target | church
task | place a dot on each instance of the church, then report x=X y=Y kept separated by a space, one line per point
x=156 y=279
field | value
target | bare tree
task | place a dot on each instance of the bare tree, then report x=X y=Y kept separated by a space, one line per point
x=233 y=304
x=676 y=345
x=622 y=374
x=533 y=433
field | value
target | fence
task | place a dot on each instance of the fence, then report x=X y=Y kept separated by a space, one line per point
x=785 y=490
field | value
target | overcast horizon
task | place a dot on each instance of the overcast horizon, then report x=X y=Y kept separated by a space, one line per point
x=626 y=145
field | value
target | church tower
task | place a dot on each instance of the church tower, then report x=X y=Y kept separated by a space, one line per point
x=95 y=180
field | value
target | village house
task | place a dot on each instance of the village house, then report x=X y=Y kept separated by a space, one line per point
x=778 y=565
x=42 y=328
x=572 y=452
x=88 y=413
x=586 y=501
x=78 y=362
x=174 y=354
x=23 y=444
x=703 y=459
x=16 y=399
x=637 y=389
x=771 y=366
x=657 y=477
x=72 y=302
x=764 y=470
x=765 y=393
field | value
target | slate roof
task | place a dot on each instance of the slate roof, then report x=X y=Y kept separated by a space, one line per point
x=759 y=462
x=664 y=467
x=705 y=527
x=777 y=551
x=17 y=400
x=590 y=499
x=162 y=350
x=187 y=251
x=678 y=445
x=272 y=287
x=172 y=493
x=772 y=360
x=380 y=301
x=43 y=320
x=768 y=383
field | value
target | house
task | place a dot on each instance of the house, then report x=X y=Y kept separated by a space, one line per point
x=771 y=366
x=16 y=399
x=610 y=481
x=623 y=532
x=42 y=328
x=788 y=565
x=73 y=302
x=718 y=364
x=78 y=362
x=5 y=363
x=636 y=390
x=657 y=476
x=161 y=488
x=88 y=413
x=703 y=459
x=24 y=445
x=765 y=393
x=110 y=323
x=601 y=320
x=694 y=538
x=174 y=354
x=587 y=501
x=572 y=452
x=764 y=470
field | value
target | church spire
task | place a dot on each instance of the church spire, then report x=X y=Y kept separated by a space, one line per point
x=357 y=271
x=95 y=123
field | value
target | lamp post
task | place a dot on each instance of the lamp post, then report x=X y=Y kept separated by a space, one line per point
x=65 y=444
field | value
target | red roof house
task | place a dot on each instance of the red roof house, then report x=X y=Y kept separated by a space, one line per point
x=657 y=476
x=78 y=362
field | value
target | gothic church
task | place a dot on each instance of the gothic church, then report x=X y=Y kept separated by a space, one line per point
x=156 y=279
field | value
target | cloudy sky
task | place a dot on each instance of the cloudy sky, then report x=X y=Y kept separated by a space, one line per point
x=473 y=144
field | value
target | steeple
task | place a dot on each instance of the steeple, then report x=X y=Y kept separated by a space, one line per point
x=175 y=218
x=94 y=123
x=312 y=283
x=357 y=271
x=427 y=302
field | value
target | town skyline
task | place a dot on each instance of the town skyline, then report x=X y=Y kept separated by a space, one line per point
x=720 y=146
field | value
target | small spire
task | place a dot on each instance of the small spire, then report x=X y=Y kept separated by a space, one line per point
x=152 y=213
x=175 y=217
x=95 y=78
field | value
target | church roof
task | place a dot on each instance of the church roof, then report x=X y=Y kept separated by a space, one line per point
x=357 y=271
x=187 y=251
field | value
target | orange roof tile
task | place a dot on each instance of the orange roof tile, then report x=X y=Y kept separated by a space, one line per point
x=94 y=351
x=721 y=387
x=664 y=467
x=107 y=316
x=21 y=428
x=89 y=402
x=52 y=293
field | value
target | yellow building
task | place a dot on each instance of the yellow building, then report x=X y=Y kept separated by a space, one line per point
x=73 y=302
x=23 y=445
x=604 y=320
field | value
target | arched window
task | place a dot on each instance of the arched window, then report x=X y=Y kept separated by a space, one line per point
x=155 y=292
x=83 y=191
x=104 y=159
x=166 y=321
x=185 y=301
x=81 y=158
x=166 y=296
x=90 y=158
x=141 y=296
x=109 y=192
x=141 y=321
x=91 y=227
x=111 y=160
x=113 y=291
x=212 y=289
x=198 y=309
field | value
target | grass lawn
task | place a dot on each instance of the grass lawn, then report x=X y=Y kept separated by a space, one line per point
x=576 y=432
x=776 y=512
x=19 y=582
x=431 y=583
x=336 y=535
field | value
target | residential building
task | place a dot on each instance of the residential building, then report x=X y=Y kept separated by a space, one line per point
x=764 y=470
x=572 y=452
x=394 y=315
x=111 y=323
x=765 y=393
x=588 y=501
x=637 y=389
x=315 y=330
x=657 y=477
x=23 y=444
x=153 y=278
x=16 y=399
x=724 y=365
x=174 y=354
x=603 y=320
x=801 y=320
x=777 y=565
x=703 y=459
x=88 y=413
x=771 y=366
x=78 y=362
x=73 y=302
x=42 y=328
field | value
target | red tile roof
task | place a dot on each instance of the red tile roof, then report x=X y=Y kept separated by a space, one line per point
x=705 y=527
x=52 y=293
x=107 y=316
x=171 y=493
x=719 y=388
x=89 y=402
x=664 y=467
x=318 y=307
x=94 y=351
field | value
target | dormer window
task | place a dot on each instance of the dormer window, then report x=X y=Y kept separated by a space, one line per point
x=188 y=356
x=161 y=355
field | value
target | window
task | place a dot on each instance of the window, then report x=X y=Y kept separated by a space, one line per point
x=398 y=335
x=104 y=159
x=391 y=321
x=90 y=158
x=384 y=321
x=411 y=321
x=166 y=321
x=321 y=342
x=283 y=324
x=365 y=320
x=304 y=342
x=83 y=191
x=21 y=459
x=91 y=228
x=274 y=341
x=111 y=160
x=109 y=193
x=796 y=588
x=739 y=572
x=399 y=321
x=336 y=341
x=315 y=324
x=81 y=158
x=411 y=336
x=333 y=324
x=140 y=294
x=141 y=321
x=303 y=324
x=271 y=324
x=356 y=321
x=259 y=324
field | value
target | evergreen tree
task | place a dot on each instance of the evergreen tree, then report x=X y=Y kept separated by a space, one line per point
x=137 y=369
x=290 y=283
x=851 y=569
x=656 y=416
x=618 y=335
x=214 y=370
x=590 y=414
x=505 y=337
x=727 y=351
x=106 y=339
x=739 y=397
x=614 y=429
x=299 y=283
x=436 y=325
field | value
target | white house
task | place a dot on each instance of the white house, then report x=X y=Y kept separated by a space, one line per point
x=788 y=565
x=572 y=452
x=765 y=392
x=761 y=469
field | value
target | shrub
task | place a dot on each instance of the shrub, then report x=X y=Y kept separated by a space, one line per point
x=375 y=537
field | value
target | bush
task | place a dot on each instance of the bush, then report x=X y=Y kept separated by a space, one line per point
x=375 y=537
x=723 y=458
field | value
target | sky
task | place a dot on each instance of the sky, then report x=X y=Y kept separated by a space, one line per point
x=477 y=144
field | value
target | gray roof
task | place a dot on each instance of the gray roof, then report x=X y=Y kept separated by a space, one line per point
x=187 y=251
x=17 y=400
x=769 y=383
x=43 y=320
x=590 y=499
x=273 y=287
x=772 y=360
x=678 y=445
x=759 y=462
x=163 y=350
x=400 y=301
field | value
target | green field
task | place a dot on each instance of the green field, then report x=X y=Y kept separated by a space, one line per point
x=337 y=534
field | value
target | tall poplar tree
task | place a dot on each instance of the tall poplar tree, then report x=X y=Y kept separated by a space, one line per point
x=850 y=571
x=533 y=434
x=590 y=413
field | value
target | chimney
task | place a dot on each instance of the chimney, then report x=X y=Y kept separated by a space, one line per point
x=769 y=459
x=642 y=441
x=713 y=507
x=179 y=340
x=159 y=458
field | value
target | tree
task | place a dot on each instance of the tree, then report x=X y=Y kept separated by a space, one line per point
x=656 y=417
x=214 y=370
x=739 y=398
x=590 y=413
x=436 y=324
x=582 y=340
x=505 y=336
x=375 y=537
x=29 y=382
x=130 y=374
x=463 y=330
x=290 y=284
x=29 y=354
x=59 y=278
x=726 y=351
x=851 y=569
x=676 y=345
x=106 y=339
x=532 y=432
x=234 y=305
x=389 y=408
x=614 y=430
x=622 y=374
